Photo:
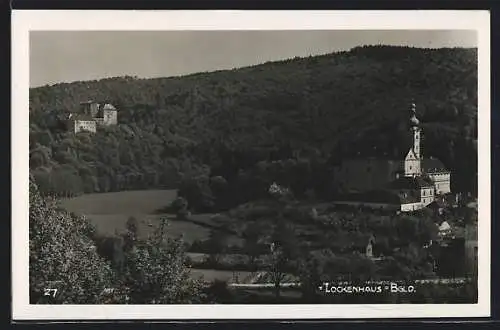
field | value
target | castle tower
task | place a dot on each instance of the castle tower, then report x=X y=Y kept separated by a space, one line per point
x=414 y=157
x=110 y=116
x=89 y=108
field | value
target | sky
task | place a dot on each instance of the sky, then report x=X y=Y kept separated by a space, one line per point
x=66 y=56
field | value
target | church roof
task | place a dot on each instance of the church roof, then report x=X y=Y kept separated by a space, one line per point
x=431 y=165
x=406 y=182
x=395 y=148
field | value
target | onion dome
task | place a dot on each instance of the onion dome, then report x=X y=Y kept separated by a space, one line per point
x=413 y=118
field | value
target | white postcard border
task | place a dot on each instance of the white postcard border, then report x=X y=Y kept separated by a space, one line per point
x=29 y=20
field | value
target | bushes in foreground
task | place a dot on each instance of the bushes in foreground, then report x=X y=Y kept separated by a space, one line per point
x=66 y=268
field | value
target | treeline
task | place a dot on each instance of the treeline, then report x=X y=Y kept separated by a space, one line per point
x=320 y=108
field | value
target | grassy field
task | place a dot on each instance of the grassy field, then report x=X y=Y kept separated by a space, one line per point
x=109 y=212
x=136 y=202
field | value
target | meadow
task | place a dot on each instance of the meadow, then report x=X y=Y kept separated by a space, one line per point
x=109 y=212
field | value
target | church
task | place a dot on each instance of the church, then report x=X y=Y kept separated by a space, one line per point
x=406 y=184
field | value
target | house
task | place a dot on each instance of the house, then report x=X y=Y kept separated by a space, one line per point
x=91 y=115
x=82 y=123
x=404 y=183
x=444 y=229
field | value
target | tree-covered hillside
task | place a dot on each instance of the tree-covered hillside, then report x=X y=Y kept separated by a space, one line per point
x=303 y=113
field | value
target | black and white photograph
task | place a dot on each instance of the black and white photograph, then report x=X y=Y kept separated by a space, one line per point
x=236 y=165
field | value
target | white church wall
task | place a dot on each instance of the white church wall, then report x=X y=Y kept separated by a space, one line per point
x=411 y=207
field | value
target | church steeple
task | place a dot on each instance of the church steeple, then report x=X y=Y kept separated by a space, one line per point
x=413 y=158
x=414 y=122
x=415 y=127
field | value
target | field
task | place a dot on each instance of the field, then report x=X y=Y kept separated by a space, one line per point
x=135 y=202
x=109 y=212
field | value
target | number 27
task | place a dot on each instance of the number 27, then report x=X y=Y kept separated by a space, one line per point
x=50 y=292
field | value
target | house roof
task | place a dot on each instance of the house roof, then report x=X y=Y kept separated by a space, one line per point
x=444 y=226
x=417 y=182
x=408 y=196
x=108 y=106
x=88 y=102
x=81 y=116
x=437 y=204
x=432 y=165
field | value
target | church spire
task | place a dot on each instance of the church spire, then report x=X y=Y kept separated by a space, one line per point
x=415 y=123
x=413 y=158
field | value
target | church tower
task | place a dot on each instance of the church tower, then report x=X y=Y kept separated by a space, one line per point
x=413 y=157
x=414 y=124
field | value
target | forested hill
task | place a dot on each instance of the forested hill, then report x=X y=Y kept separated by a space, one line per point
x=328 y=106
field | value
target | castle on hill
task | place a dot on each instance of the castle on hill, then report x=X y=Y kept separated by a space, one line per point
x=92 y=115
x=406 y=184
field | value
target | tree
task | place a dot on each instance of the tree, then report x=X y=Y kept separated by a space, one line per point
x=197 y=192
x=252 y=248
x=217 y=245
x=310 y=270
x=131 y=235
x=284 y=237
x=284 y=253
x=112 y=248
x=179 y=204
x=156 y=272
x=180 y=207
x=63 y=256
x=219 y=187
x=277 y=268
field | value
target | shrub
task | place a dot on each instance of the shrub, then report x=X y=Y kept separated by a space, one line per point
x=157 y=273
